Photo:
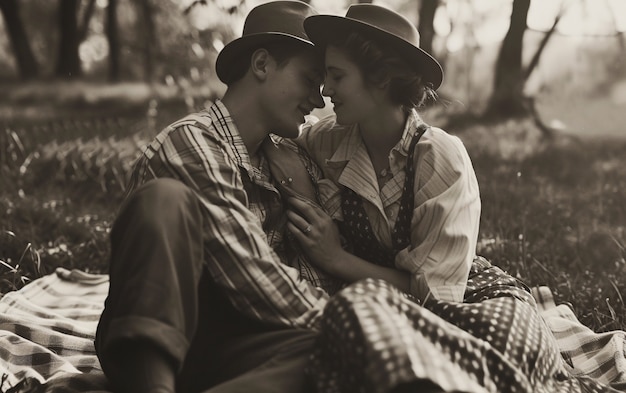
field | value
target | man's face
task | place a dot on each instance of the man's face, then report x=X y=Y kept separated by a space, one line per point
x=292 y=91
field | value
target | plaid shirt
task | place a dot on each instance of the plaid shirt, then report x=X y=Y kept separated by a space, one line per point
x=446 y=211
x=205 y=151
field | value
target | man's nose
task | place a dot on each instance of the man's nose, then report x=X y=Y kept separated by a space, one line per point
x=326 y=90
x=317 y=98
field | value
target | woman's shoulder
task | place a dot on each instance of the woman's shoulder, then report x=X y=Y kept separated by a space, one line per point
x=441 y=145
x=441 y=138
x=324 y=134
x=326 y=126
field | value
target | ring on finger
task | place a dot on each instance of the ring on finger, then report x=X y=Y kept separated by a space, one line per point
x=307 y=229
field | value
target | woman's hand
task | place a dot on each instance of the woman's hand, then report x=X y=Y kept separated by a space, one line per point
x=316 y=232
x=319 y=237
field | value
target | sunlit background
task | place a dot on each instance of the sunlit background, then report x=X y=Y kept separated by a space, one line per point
x=169 y=47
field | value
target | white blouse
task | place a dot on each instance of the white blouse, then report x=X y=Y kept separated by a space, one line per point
x=446 y=212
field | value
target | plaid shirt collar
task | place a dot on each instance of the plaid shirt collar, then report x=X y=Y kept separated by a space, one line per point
x=228 y=131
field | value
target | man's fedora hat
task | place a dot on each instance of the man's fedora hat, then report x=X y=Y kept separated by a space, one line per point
x=266 y=22
x=382 y=25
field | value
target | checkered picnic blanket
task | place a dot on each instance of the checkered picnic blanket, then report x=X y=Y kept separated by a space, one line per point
x=47 y=330
x=601 y=356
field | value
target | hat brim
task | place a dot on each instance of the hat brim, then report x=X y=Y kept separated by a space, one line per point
x=231 y=53
x=321 y=28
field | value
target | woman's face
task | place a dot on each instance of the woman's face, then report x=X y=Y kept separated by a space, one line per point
x=352 y=98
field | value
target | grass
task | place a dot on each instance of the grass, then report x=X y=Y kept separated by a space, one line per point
x=553 y=213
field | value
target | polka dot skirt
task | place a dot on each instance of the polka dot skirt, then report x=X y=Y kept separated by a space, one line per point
x=374 y=338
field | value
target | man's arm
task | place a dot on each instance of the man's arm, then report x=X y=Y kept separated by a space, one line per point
x=237 y=253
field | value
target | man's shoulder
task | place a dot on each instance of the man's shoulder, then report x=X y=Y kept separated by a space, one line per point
x=201 y=119
x=198 y=122
x=192 y=132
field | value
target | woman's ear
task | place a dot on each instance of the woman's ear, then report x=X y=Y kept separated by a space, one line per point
x=259 y=62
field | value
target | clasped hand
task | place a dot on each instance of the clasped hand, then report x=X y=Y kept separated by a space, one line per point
x=316 y=233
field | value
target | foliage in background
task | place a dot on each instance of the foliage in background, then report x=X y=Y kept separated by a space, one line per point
x=553 y=214
x=154 y=38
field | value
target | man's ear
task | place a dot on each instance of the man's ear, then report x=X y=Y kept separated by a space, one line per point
x=384 y=84
x=259 y=62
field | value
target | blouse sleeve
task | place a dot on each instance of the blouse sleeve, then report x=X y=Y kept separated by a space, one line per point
x=445 y=221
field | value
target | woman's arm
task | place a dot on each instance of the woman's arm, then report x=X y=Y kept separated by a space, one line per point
x=445 y=221
x=319 y=237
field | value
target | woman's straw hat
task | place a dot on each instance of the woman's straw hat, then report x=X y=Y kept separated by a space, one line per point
x=382 y=25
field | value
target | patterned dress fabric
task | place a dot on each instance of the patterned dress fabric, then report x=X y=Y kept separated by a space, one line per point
x=375 y=338
x=356 y=226
x=446 y=200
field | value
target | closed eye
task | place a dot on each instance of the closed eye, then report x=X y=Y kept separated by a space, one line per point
x=334 y=74
x=313 y=81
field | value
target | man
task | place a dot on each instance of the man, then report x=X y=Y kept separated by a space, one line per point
x=199 y=299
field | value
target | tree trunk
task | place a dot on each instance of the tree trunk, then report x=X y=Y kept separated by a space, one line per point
x=507 y=98
x=113 y=39
x=24 y=57
x=150 y=40
x=426 y=25
x=83 y=28
x=68 y=62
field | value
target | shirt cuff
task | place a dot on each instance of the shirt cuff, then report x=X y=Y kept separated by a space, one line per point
x=451 y=293
x=420 y=288
x=424 y=289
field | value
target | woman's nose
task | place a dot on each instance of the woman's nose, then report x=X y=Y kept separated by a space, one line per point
x=327 y=90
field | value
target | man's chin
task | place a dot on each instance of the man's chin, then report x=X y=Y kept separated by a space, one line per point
x=290 y=132
x=339 y=120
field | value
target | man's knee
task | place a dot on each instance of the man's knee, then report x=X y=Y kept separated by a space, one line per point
x=159 y=203
x=163 y=192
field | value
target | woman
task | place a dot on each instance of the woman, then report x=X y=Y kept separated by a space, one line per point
x=406 y=201
x=375 y=146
